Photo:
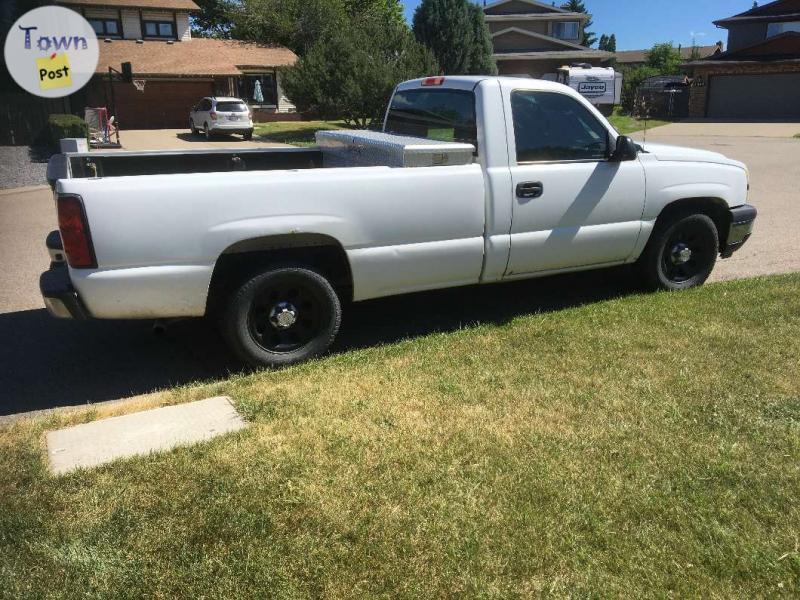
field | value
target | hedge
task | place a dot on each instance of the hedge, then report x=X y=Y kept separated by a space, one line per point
x=64 y=126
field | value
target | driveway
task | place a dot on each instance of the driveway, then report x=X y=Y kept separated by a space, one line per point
x=773 y=157
x=182 y=139
x=46 y=363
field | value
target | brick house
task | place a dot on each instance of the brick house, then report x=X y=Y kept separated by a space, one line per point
x=758 y=77
x=534 y=38
x=155 y=37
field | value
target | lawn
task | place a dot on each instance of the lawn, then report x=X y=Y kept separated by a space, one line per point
x=297 y=133
x=637 y=446
x=626 y=124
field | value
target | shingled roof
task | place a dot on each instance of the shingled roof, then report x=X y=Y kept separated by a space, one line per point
x=196 y=57
x=640 y=56
x=164 y=4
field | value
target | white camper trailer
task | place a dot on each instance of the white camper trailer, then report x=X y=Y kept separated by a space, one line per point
x=602 y=86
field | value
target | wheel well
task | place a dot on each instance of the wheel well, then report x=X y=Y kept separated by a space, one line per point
x=244 y=259
x=715 y=208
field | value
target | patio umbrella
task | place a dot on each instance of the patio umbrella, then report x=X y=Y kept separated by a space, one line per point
x=257 y=95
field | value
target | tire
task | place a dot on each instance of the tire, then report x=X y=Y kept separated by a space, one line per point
x=247 y=135
x=681 y=253
x=281 y=317
x=206 y=132
x=192 y=128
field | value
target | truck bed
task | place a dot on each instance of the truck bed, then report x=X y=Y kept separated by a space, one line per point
x=81 y=165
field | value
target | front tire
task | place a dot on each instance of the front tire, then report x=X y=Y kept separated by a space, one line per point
x=282 y=317
x=681 y=253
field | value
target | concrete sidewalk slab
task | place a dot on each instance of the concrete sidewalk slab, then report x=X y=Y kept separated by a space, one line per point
x=99 y=442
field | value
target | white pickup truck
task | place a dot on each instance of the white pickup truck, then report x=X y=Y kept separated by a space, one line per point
x=272 y=242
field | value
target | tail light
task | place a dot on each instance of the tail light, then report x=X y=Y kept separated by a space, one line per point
x=213 y=115
x=433 y=81
x=75 y=232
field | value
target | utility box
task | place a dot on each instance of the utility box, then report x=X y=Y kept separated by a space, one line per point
x=74 y=145
x=356 y=148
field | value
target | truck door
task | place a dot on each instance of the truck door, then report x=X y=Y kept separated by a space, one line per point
x=571 y=207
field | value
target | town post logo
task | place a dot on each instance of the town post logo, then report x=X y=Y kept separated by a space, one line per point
x=51 y=51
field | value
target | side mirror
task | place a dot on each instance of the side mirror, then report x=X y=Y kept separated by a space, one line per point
x=626 y=149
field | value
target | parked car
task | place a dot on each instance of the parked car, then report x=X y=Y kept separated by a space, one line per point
x=221 y=115
x=273 y=249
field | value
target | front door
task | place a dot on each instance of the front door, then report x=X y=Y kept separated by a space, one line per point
x=572 y=206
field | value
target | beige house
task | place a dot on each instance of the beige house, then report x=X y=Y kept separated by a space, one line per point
x=533 y=38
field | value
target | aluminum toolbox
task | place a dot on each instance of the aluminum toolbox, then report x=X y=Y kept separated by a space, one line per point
x=357 y=148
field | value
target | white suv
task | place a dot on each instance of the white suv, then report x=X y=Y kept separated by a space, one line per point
x=221 y=115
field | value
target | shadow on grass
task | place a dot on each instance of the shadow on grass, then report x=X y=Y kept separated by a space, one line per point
x=53 y=363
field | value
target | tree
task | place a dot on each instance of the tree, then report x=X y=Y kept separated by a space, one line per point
x=457 y=34
x=298 y=24
x=350 y=71
x=577 y=6
x=665 y=58
x=213 y=19
x=608 y=43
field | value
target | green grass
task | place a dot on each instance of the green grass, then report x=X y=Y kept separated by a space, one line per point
x=797 y=136
x=642 y=446
x=626 y=124
x=297 y=133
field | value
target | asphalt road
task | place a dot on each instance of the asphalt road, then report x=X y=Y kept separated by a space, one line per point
x=46 y=363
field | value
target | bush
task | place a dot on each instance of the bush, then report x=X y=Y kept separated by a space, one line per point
x=63 y=126
x=350 y=71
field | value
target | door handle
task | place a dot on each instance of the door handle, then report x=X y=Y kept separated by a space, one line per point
x=530 y=189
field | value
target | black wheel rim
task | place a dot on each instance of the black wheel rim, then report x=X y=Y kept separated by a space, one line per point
x=286 y=314
x=688 y=252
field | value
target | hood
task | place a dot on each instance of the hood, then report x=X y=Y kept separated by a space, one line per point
x=680 y=154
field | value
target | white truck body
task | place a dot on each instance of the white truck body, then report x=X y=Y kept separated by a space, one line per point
x=157 y=239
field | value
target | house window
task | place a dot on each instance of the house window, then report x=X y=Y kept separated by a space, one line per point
x=247 y=89
x=774 y=29
x=159 y=29
x=566 y=31
x=105 y=27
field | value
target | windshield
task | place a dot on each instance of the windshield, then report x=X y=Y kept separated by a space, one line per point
x=231 y=107
x=443 y=114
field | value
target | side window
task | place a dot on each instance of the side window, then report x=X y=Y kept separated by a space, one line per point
x=550 y=126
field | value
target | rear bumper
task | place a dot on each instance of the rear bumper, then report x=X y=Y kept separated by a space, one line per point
x=60 y=298
x=230 y=128
x=742 y=220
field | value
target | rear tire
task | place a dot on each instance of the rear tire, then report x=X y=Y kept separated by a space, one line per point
x=248 y=135
x=681 y=253
x=206 y=131
x=192 y=128
x=281 y=317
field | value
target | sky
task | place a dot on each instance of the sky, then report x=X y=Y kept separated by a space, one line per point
x=639 y=24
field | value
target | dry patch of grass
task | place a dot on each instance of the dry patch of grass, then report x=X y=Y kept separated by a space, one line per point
x=649 y=444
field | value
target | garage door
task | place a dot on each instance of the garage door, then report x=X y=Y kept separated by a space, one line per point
x=774 y=96
x=161 y=104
